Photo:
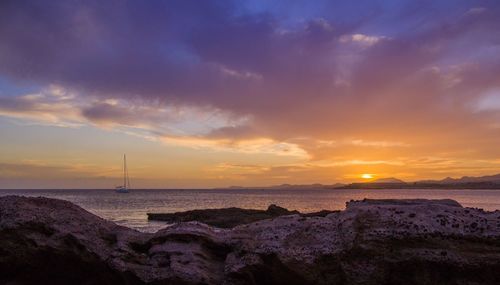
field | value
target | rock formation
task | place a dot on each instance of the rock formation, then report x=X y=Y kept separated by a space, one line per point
x=47 y=241
x=229 y=217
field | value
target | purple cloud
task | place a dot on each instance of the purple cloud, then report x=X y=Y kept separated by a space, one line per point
x=321 y=77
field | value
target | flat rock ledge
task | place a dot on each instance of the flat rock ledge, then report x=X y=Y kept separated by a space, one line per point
x=48 y=241
x=229 y=217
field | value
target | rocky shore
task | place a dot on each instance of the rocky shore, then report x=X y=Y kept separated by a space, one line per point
x=229 y=217
x=47 y=241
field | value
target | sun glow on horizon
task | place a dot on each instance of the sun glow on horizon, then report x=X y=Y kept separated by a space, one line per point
x=367 y=176
x=309 y=93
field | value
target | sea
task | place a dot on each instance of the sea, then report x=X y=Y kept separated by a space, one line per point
x=130 y=209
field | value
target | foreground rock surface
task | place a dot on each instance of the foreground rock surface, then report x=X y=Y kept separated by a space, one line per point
x=47 y=241
x=229 y=217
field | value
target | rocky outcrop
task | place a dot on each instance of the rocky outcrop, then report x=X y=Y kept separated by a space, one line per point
x=47 y=241
x=228 y=217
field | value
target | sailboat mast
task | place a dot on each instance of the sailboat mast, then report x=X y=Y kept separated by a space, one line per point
x=124 y=171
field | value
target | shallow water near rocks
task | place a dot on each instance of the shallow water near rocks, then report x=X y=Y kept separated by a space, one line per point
x=130 y=209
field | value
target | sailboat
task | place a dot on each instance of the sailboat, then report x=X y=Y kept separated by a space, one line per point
x=126 y=182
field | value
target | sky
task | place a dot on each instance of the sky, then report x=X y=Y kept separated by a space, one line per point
x=218 y=93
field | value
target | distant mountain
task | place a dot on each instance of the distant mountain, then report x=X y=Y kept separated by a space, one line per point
x=293 y=186
x=466 y=182
x=388 y=180
x=466 y=179
x=304 y=186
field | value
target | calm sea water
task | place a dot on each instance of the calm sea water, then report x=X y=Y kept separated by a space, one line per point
x=130 y=209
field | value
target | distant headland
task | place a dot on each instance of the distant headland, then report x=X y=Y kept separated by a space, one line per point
x=465 y=182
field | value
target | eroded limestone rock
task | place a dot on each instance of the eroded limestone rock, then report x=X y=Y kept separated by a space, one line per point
x=48 y=241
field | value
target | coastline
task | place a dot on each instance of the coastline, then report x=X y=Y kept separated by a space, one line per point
x=371 y=242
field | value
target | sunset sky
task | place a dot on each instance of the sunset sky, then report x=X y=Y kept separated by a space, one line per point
x=219 y=93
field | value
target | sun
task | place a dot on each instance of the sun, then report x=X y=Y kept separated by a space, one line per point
x=367 y=176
